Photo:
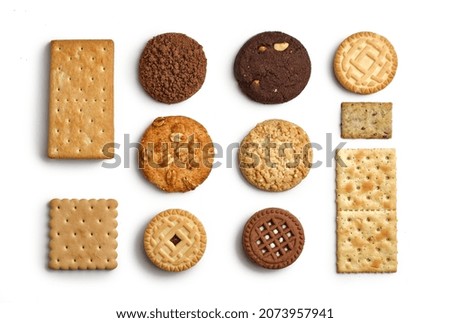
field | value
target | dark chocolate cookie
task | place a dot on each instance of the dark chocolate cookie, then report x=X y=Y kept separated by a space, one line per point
x=172 y=67
x=272 y=67
x=273 y=238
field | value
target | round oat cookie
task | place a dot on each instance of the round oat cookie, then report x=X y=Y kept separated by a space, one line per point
x=273 y=238
x=365 y=63
x=172 y=67
x=175 y=240
x=176 y=154
x=275 y=156
x=272 y=67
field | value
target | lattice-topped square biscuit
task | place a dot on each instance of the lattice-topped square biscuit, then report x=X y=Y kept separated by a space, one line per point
x=83 y=234
x=81 y=120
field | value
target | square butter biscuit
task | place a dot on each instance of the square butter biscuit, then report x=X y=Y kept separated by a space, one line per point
x=81 y=118
x=83 y=234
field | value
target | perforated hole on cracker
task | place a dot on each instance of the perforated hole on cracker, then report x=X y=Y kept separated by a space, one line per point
x=81 y=118
x=78 y=240
x=366 y=211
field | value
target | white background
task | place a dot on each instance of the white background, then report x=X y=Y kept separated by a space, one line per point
x=224 y=278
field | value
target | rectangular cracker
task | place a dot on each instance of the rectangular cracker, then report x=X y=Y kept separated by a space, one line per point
x=81 y=107
x=366 y=198
x=366 y=179
x=366 y=120
x=83 y=234
x=366 y=241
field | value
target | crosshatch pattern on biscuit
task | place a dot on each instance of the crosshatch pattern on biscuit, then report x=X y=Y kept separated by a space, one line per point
x=81 y=99
x=366 y=210
x=83 y=234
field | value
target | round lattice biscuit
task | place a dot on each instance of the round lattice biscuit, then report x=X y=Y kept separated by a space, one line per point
x=273 y=238
x=275 y=156
x=175 y=240
x=176 y=154
x=365 y=63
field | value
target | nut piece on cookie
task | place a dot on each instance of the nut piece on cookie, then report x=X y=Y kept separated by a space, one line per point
x=280 y=64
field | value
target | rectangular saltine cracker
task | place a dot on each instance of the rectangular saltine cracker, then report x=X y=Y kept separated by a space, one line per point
x=367 y=241
x=83 y=234
x=81 y=107
x=366 y=198
x=366 y=120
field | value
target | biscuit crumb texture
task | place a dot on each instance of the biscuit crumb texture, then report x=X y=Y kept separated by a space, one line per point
x=172 y=67
x=276 y=155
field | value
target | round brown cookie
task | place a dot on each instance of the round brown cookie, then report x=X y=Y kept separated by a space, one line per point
x=365 y=63
x=175 y=240
x=172 y=67
x=272 y=67
x=176 y=153
x=276 y=155
x=273 y=238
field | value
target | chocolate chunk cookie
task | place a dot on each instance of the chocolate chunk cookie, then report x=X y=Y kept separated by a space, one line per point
x=272 y=67
x=273 y=238
x=176 y=153
x=172 y=67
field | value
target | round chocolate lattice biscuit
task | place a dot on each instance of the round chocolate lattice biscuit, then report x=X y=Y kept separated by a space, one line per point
x=176 y=153
x=175 y=240
x=365 y=63
x=272 y=67
x=275 y=156
x=172 y=67
x=273 y=238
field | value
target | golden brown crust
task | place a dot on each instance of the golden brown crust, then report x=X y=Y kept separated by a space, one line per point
x=365 y=63
x=81 y=107
x=176 y=153
x=175 y=240
x=83 y=234
x=276 y=155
